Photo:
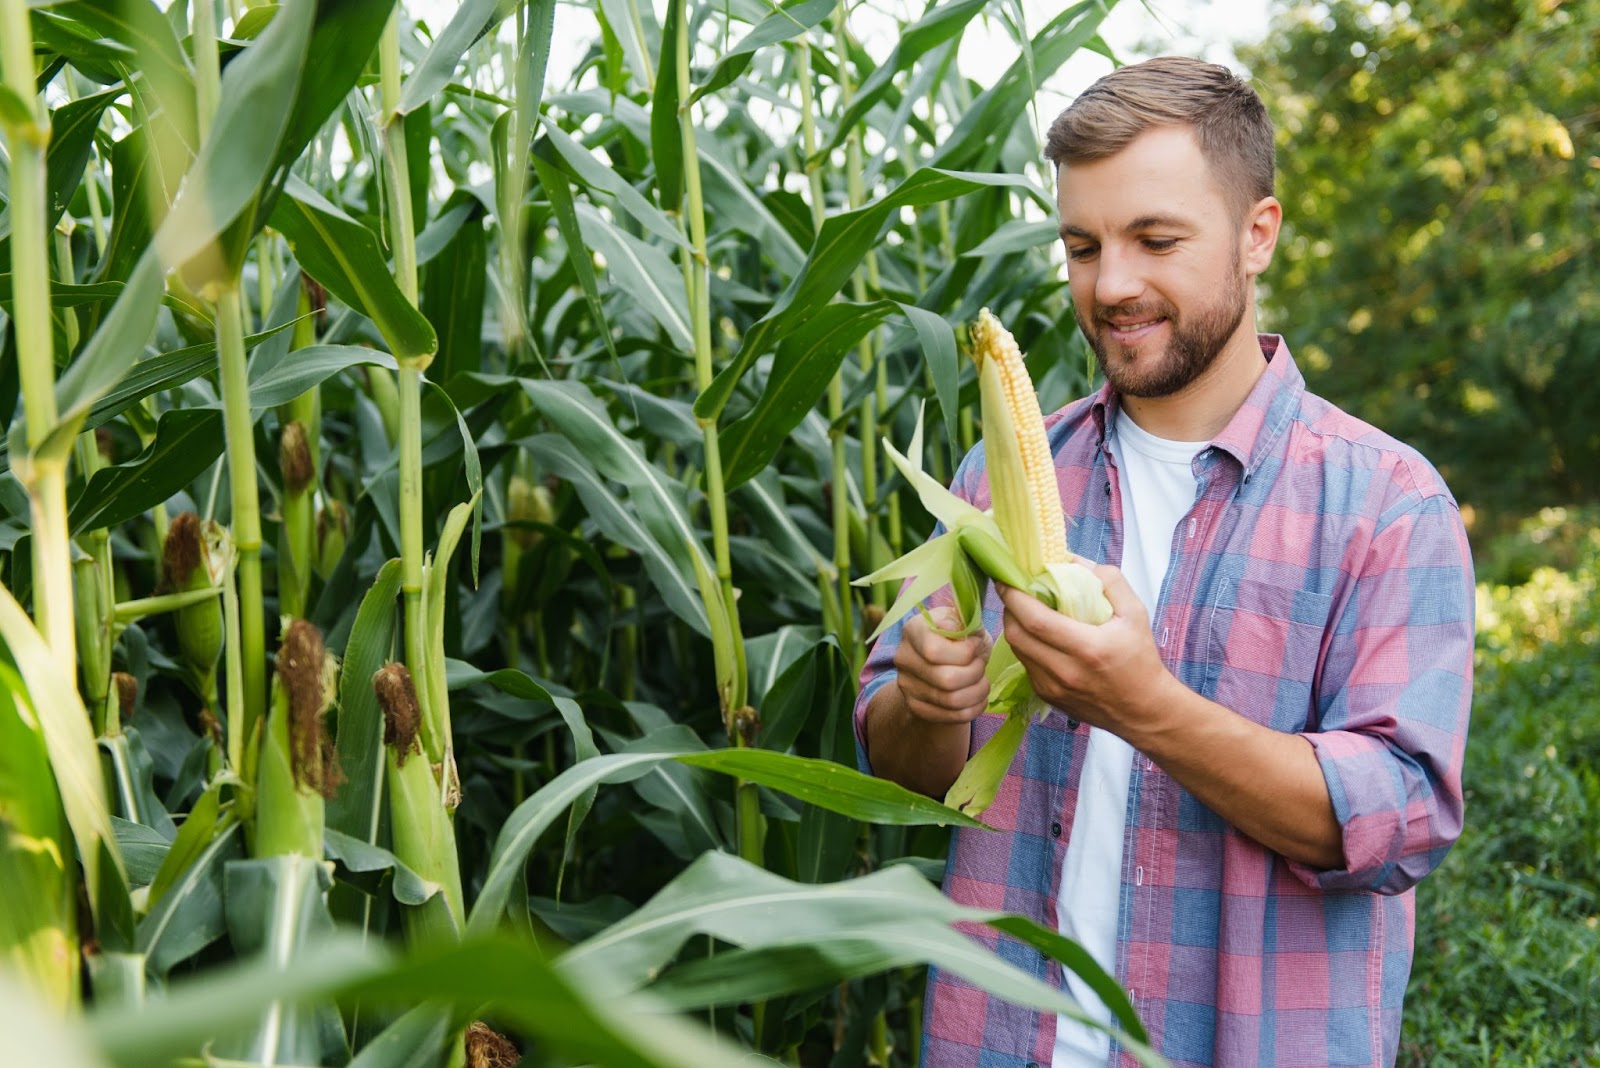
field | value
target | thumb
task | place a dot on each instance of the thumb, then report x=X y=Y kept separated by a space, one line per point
x=945 y=617
x=1124 y=602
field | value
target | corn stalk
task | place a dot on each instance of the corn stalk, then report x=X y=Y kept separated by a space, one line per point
x=44 y=470
x=844 y=622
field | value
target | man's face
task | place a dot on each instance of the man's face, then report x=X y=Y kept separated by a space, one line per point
x=1156 y=259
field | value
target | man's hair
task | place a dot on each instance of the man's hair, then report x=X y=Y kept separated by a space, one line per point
x=1229 y=120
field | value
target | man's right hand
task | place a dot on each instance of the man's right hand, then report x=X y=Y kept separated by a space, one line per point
x=919 y=730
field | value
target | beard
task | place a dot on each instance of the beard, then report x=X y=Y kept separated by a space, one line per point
x=1197 y=338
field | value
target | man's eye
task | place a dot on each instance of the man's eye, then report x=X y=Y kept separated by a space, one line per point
x=1081 y=253
x=1160 y=244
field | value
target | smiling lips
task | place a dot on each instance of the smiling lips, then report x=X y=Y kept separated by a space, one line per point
x=1126 y=331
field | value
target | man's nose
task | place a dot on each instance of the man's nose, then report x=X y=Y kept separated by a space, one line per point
x=1118 y=280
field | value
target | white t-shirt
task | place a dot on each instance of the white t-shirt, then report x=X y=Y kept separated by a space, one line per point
x=1157 y=490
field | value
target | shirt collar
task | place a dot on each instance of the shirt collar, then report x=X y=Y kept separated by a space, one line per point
x=1253 y=432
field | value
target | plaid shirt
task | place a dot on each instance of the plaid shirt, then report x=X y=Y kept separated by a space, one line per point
x=1321 y=585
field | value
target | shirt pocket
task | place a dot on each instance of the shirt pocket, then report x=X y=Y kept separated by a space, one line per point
x=1264 y=645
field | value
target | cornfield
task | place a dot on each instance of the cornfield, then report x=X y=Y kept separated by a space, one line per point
x=434 y=485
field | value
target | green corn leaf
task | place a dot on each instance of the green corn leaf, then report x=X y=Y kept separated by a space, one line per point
x=453 y=292
x=597 y=176
x=303 y=369
x=345 y=257
x=939 y=23
x=468 y=24
x=839 y=248
x=38 y=928
x=790 y=20
x=277 y=909
x=658 y=501
x=72 y=129
x=805 y=363
x=1018 y=235
x=356 y=810
x=64 y=726
x=734 y=901
x=666 y=136
x=670 y=574
x=938 y=342
x=832 y=786
x=559 y=192
x=363 y=858
x=973 y=140
x=189 y=915
x=240 y=152
x=641 y=270
x=187 y=441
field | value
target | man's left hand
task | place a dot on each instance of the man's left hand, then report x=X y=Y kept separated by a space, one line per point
x=1110 y=675
x=1265 y=782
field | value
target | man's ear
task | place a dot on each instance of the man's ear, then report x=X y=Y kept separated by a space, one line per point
x=1260 y=234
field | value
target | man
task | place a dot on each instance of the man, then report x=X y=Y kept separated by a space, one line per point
x=1259 y=755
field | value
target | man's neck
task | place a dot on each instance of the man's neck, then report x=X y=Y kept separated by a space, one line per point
x=1200 y=410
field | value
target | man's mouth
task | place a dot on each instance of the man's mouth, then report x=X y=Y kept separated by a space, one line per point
x=1133 y=329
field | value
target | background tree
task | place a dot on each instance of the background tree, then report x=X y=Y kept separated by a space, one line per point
x=1441 y=182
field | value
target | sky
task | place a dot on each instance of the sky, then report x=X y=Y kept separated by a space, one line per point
x=1206 y=28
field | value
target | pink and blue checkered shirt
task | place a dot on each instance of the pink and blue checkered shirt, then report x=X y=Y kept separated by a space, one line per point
x=1321 y=585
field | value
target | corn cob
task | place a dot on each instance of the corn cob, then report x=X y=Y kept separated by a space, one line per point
x=424 y=837
x=297 y=532
x=195 y=557
x=298 y=769
x=1022 y=479
x=333 y=530
x=1021 y=542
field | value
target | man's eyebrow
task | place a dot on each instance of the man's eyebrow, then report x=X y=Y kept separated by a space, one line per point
x=1143 y=222
x=1154 y=222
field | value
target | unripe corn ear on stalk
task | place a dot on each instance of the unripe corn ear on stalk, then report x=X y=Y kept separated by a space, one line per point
x=195 y=557
x=423 y=835
x=298 y=767
x=1021 y=541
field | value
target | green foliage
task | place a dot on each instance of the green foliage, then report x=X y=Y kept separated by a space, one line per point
x=1508 y=930
x=667 y=345
x=1438 y=269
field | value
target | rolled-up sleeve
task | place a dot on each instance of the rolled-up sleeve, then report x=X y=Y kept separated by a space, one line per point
x=1395 y=692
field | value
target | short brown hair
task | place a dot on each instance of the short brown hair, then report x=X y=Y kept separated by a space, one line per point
x=1228 y=118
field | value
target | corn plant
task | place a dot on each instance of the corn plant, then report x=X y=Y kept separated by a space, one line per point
x=423 y=435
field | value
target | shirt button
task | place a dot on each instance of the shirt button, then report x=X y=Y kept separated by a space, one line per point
x=1138 y=876
x=1149 y=765
x=1055 y=830
x=1072 y=724
x=1108 y=489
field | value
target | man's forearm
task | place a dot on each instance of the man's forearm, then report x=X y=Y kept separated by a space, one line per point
x=1266 y=783
x=921 y=756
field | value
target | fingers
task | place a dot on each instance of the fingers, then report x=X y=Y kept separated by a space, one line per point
x=938 y=705
x=942 y=678
x=931 y=647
